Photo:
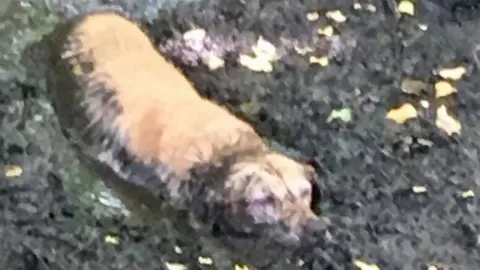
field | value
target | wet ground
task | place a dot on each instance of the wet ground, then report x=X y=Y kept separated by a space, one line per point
x=400 y=196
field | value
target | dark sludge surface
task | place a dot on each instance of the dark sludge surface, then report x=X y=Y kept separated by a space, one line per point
x=369 y=165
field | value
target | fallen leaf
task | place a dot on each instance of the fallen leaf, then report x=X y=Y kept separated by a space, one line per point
x=402 y=114
x=205 y=260
x=446 y=122
x=326 y=31
x=444 y=88
x=344 y=115
x=303 y=50
x=175 y=266
x=336 y=15
x=112 y=239
x=365 y=266
x=419 y=189
x=468 y=194
x=265 y=50
x=322 y=60
x=255 y=64
x=214 y=62
x=423 y=27
x=406 y=7
x=368 y=7
x=411 y=86
x=312 y=16
x=12 y=171
x=357 y=6
x=241 y=267
x=455 y=73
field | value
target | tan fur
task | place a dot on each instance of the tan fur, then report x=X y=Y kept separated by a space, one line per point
x=163 y=123
x=166 y=120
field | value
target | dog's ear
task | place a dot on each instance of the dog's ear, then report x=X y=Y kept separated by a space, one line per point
x=311 y=168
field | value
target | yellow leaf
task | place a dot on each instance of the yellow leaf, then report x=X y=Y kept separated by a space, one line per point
x=452 y=73
x=446 y=122
x=214 y=62
x=368 y=7
x=255 y=64
x=205 y=260
x=111 y=239
x=241 y=267
x=419 y=189
x=322 y=60
x=406 y=7
x=265 y=50
x=402 y=114
x=12 y=171
x=365 y=266
x=326 y=31
x=302 y=50
x=444 y=88
x=344 y=114
x=468 y=194
x=312 y=16
x=175 y=266
x=336 y=15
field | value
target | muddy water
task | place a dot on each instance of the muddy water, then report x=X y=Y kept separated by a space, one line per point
x=23 y=23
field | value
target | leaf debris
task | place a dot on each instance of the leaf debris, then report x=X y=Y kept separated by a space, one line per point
x=265 y=53
x=336 y=15
x=205 y=260
x=403 y=113
x=312 y=16
x=12 y=171
x=412 y=86
x=365 y=266
x=406 y=7
x=325 y=31
x=175 y=266
x=419 y=189
x=112 y=239
x=468 y=194
x=345 y=115
x=322 y=60
x=443 y=89
x=446 y=122
x=455 y=73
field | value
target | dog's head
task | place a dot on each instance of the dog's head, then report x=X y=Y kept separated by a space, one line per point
x=271 y=191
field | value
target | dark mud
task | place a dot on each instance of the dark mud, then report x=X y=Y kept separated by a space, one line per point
x=367 y=167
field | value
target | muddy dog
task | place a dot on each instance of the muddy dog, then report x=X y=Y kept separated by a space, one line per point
x=138 y=122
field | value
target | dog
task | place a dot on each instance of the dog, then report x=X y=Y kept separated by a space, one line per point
x=136 y=119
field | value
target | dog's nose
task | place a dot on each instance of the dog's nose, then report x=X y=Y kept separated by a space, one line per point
x=315 y=226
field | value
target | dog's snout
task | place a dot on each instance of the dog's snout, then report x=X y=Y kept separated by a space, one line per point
x=315 y=226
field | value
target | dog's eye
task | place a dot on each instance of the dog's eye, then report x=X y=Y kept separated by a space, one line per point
x=263 y=201
x=307 y=192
